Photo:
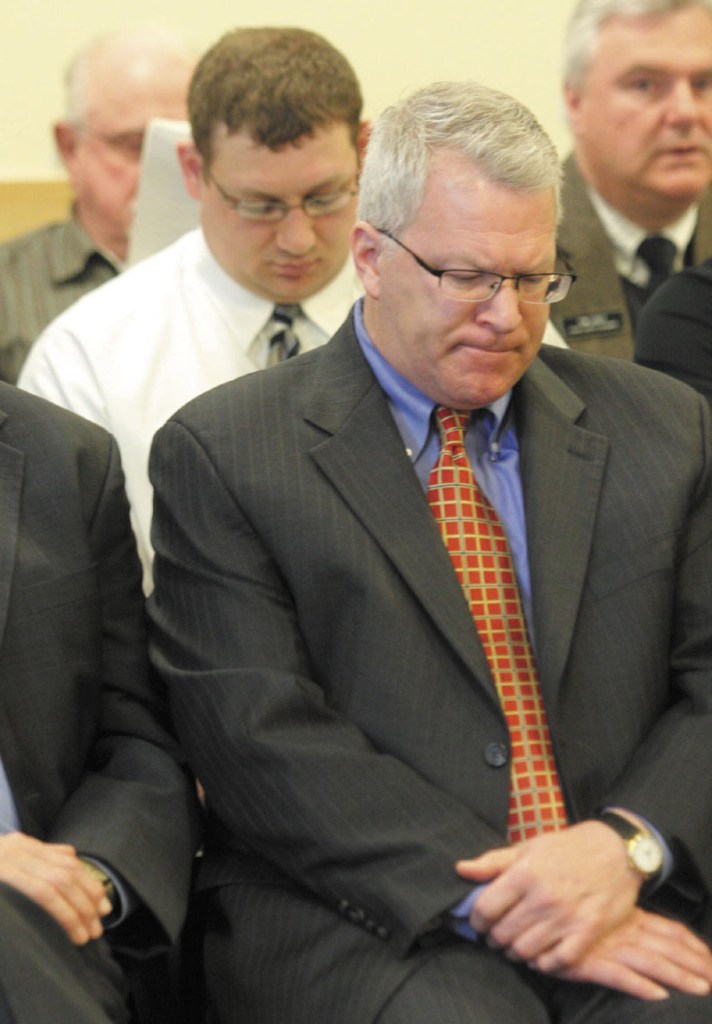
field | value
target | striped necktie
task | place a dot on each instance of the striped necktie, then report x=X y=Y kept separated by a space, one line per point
x=283 y=342
x=477 y=544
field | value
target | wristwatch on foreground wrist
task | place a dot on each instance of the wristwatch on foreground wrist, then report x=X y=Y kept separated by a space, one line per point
x=645 y=853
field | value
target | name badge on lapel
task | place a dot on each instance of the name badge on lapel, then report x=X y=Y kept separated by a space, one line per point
x=593 y=323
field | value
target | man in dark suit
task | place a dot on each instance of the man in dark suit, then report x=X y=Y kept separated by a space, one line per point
x=636 y=199
x=370 y=854
x=97 y=813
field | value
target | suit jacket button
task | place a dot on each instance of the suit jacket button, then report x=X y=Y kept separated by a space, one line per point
x=496 y=755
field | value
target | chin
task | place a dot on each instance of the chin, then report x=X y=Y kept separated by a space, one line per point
x=685 y=187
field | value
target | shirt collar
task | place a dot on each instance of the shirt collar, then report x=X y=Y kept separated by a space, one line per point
x=626 y=236
x=248 y=314
x=72 y=251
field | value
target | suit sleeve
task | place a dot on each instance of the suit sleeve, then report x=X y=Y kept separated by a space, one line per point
x=667 y=779
x=134 y=807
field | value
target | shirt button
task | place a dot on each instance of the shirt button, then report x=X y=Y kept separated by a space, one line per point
x=496 y=755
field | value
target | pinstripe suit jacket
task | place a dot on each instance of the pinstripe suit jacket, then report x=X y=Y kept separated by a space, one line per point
x=594 y=317
x=329 y=686
x=82 y=732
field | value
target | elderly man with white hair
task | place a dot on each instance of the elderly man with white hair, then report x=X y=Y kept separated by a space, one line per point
x=114 y=86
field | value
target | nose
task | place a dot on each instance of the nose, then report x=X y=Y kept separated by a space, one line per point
x=295 y=232
x=683 y=103
x=502 y=310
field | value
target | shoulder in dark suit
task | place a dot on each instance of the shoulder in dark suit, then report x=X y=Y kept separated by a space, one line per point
x=674 y=332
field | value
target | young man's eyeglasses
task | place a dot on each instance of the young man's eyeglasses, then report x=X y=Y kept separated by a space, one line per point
x=320 y=204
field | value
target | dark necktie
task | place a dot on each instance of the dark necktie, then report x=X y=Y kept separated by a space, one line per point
x=477 y=544
x=659 y=254
x=283 y=342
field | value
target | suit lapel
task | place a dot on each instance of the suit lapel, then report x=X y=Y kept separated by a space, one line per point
x=594 y=315
x=702 y=238
x=11 y=475
x=362 y=456
x=562 y=467
x=12 y=462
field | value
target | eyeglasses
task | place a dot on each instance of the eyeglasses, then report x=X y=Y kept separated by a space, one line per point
x=273 y=210
x=128 y=144
x=480 y=285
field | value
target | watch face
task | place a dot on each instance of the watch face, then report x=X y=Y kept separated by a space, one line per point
x=647 y=855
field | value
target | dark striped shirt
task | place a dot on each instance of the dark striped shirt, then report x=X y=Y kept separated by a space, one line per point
x=41 y=273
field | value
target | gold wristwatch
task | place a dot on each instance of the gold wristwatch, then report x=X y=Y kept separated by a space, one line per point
x=645 y=852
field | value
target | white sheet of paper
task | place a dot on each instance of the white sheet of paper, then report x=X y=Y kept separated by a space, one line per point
x=164 y=210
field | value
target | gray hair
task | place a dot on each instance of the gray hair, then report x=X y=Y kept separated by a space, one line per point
x=501 y=137
x=584 y=27
x=150 y=45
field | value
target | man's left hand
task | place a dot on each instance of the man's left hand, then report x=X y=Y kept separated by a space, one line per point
x=552 y=898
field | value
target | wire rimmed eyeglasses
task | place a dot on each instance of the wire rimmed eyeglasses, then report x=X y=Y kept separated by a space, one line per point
x=320 y=204
x=480 y=285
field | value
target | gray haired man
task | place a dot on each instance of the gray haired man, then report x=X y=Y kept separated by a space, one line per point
x=432 y=607
x=637 y=206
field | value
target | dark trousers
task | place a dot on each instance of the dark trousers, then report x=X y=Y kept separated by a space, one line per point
x=312 y=967
x=45 y=978
x=459 y=988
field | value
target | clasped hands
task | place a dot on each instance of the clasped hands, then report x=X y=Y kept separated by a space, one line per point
x=53 y=875
x=565 y=904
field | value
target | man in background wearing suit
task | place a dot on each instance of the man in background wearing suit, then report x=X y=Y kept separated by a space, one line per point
x=97 y=813
x=424 y=808
x=115 y=85
x=636 y=197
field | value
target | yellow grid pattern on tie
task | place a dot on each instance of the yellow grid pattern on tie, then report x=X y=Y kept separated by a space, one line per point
x=477 y=544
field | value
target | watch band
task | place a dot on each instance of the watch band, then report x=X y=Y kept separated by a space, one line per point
x=625 y=828
x=645 y=853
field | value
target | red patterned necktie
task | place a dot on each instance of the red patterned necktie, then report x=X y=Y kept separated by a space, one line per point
x=477 y=544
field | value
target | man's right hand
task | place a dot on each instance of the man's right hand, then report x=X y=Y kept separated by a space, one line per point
x=54 y=877
x=646 y=956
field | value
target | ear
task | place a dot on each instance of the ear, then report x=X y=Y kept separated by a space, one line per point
x=364 y=132
x=66 y=138
x=366 y=247
x=191 y=165
x=573 y=99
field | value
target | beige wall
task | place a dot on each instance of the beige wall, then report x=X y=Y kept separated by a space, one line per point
x=394 y=45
